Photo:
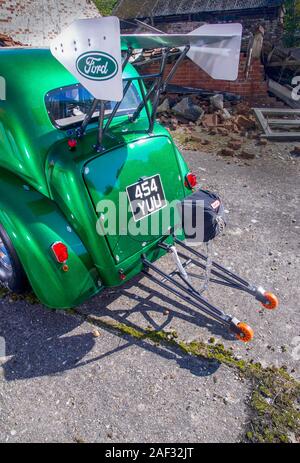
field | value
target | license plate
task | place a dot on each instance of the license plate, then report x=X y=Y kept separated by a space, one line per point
x=146 y=197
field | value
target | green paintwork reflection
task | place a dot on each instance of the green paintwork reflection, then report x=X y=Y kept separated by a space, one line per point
x=45 y=195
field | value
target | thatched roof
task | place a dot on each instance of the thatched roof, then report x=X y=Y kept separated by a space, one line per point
x=129 y=9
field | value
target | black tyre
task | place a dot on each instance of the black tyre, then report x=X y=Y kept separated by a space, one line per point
x=12 y=275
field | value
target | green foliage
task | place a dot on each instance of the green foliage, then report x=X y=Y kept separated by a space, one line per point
x=292 y=23
x=105 y=6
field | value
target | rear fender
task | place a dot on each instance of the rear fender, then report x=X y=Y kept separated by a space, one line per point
x=33 y=222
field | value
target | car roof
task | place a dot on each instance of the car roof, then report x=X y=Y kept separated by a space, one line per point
x=35 y=71
x=32 y=71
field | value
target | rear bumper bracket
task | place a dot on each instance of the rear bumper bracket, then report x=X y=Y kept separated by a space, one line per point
x=179 y=282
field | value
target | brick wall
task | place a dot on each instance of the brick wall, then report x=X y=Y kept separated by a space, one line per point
x=36 y=22
x=273 y=27
x=190 y=75
x=270 y=19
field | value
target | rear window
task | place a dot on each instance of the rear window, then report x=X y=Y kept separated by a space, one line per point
x=67 y=106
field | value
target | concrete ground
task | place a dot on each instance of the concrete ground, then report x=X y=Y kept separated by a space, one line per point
x=63 y=382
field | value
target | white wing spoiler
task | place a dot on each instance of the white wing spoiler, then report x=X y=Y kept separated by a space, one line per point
x=220 y=58
x=214 y=48
x=91 y=50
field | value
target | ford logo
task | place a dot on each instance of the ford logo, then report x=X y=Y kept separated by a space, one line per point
x=97 y=66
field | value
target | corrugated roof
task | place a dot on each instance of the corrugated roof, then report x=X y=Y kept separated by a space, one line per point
x=129 y=9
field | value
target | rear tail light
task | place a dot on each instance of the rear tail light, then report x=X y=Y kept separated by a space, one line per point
x=72 y=144
x=60 y=252
x=191 y=181
x=122 y=275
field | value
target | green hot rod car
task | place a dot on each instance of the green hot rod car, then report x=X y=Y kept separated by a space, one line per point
x=66 y=151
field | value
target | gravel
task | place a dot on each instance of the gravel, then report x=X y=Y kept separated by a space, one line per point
x=64 y=380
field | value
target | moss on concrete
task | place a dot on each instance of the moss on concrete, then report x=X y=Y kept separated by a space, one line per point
x=30 y=298
x=3 y=292
x=275 y=396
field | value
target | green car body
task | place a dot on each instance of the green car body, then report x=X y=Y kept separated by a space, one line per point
x=49 y=194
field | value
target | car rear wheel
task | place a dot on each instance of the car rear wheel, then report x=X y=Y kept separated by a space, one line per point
x=12 y=275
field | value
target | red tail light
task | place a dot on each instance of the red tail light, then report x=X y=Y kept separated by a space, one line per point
x=191 y=181
x=72 y=144
x=60 y=252
x=122 y=275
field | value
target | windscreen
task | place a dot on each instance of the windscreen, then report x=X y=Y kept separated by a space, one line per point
x=67 y=106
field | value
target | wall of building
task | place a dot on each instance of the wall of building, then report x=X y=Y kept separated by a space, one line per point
x=36 y=22
x=273 y=27
x=190 y=75
x=271 y=20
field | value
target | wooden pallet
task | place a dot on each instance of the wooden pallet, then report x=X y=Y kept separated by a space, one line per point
x=282 y=127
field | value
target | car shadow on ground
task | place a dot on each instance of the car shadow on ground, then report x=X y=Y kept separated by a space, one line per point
x=41 y=342
x=167 y=306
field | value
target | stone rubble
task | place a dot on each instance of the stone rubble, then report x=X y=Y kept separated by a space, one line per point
x=215 y=124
